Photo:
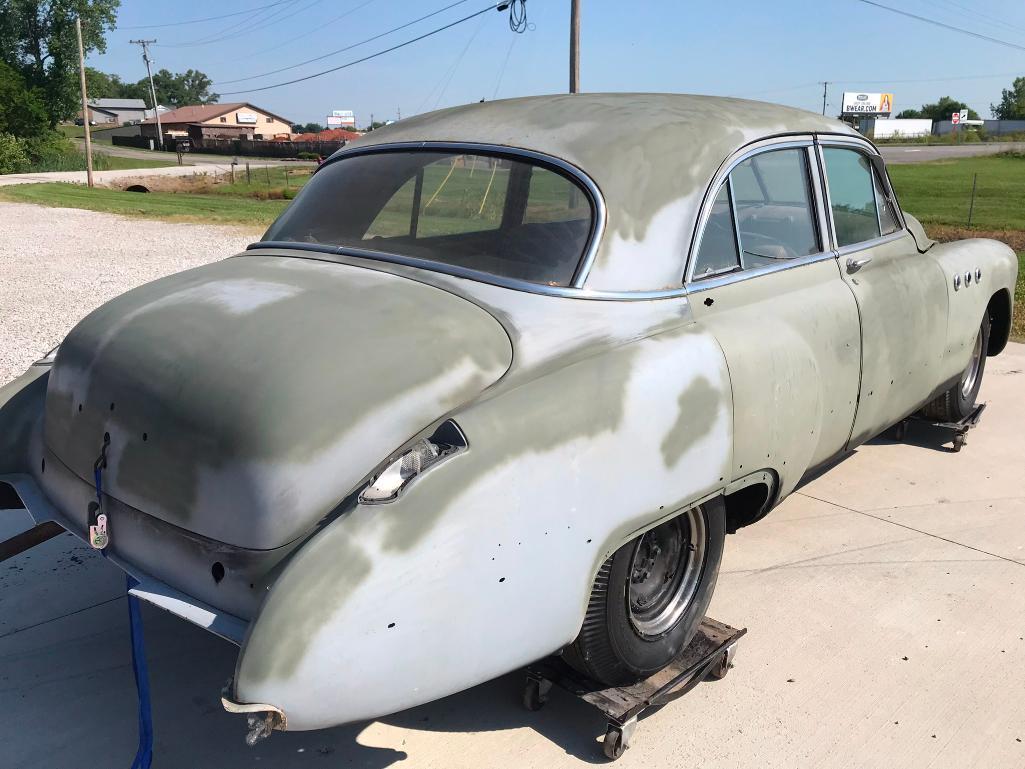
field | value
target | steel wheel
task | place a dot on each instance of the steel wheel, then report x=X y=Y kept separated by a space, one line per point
x=971 y=374
x=664 y=573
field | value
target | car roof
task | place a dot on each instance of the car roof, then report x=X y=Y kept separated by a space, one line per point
x=651 y=155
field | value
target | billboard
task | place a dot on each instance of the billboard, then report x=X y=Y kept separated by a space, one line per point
x=867 y=104
x=341 y=118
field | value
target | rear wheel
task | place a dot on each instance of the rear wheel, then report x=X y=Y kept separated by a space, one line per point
x=649 y=596
x=959 y=401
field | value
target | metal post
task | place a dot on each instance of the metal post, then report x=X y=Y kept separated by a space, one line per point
x=249 y=178
x=85 y=106
x=153 y=91
x=574 y=46
x=971 y=206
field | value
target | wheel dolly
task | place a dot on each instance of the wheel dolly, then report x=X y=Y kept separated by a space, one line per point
x=709 y=655
x=959 y=428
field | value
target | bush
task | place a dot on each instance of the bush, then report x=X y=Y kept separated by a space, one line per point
x=13 y=158
x=308 y=156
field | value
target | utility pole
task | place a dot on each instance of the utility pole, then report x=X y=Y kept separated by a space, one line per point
x=825 y=89
x=153 y=91
x=574 y=46
x=85 y=105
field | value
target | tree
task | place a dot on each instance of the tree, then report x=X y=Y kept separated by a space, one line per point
x=945 y=107
x=22 y=112
x=37 y=38
x=177 y=90
x=1012 y=102
x=909 y=114
x=312 y=128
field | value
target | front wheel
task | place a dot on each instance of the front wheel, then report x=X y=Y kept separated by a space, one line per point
x=649 y=597
x=959 y=401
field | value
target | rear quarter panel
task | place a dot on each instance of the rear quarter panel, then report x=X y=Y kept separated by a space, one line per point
x=486 y=562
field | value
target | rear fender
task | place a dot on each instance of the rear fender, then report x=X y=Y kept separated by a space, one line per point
x=485 y=562
x=997 y=265
x=22 y=402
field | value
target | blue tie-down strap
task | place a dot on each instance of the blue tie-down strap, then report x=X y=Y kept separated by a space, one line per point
x=144 y=755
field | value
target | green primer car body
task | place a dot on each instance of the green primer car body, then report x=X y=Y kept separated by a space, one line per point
x=256 y=408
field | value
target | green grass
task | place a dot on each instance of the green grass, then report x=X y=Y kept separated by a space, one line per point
x=96 y=133
x=103 y=162
x=154 y=205
x=939 y=194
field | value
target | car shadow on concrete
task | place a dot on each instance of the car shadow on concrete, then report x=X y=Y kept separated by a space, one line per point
x=923 y=435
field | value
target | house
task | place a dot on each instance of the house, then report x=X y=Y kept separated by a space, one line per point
x=117 y=111
x=235 y=120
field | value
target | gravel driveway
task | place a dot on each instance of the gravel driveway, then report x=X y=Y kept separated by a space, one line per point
x=58 y=264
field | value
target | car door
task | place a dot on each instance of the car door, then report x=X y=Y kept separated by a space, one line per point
x=901 y=293
x=764 y=280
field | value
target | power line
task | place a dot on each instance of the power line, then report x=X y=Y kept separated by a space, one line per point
x=248 y=25
x=320 y=26
x=860 y=81
x=497 y=6
x=342 y=50
x=208 y=18
x=927 y=20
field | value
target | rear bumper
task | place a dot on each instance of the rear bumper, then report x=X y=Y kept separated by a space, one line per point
x=149 y=588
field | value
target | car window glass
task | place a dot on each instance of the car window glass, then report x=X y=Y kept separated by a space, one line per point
x=887 y=218
x=717 y=252
x=774 y=208
x=851 y=195
x=509 y=217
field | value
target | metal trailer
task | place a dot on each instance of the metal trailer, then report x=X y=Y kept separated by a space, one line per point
x=709 y=655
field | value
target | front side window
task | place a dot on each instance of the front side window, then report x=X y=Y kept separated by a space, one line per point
x=851 y=195
x=509 y=217
x=888 y=221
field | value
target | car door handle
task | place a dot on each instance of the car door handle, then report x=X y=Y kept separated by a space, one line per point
x=853 y=265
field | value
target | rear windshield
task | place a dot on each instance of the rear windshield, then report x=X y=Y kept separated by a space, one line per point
x=509 y=218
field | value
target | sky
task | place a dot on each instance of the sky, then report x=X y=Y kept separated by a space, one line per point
x=775 y=51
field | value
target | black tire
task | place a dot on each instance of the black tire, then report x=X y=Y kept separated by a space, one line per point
x=611 y=649
x=959 y=401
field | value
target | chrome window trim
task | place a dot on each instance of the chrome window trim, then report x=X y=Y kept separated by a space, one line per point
x=693 y=284
x=321 y=251
x=756 y=272
x=866 y=244
x=599 y=213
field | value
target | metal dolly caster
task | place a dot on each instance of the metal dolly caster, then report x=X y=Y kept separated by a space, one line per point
x=709 y=655
x=959 y=428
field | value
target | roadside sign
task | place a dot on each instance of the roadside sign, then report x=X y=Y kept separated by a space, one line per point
x=964 y=116
x=867 y=104
x=955 y=117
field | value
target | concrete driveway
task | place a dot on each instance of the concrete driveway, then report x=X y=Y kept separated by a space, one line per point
x=885 y=603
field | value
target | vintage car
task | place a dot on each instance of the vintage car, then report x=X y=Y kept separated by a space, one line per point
x=496 y=386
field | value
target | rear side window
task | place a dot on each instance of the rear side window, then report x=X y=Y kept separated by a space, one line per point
x=767 y=203
x=851 y=195
x=506 y=216
x=775 y=216
x=717 y=252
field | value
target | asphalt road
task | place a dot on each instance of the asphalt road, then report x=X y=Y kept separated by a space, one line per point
x=925 y=152
x=883 y=600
